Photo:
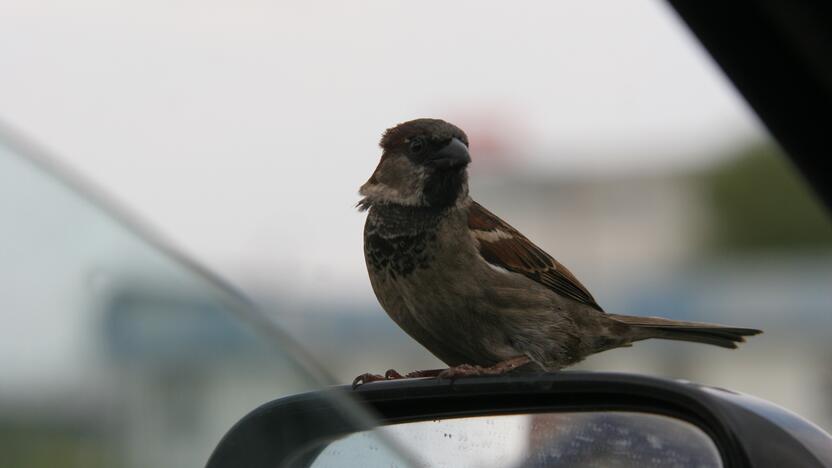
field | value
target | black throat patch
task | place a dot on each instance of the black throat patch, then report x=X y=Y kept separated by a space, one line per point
x=442 y=188
x=397 y=238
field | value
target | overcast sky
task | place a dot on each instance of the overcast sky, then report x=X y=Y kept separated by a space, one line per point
x=241 y=130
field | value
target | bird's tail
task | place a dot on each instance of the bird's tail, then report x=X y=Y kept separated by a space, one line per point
x=657 y=327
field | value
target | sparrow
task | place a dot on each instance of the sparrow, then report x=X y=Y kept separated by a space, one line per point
x=469 y=287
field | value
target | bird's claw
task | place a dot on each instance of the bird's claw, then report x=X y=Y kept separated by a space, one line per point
x=393 y=374
x=366 y=378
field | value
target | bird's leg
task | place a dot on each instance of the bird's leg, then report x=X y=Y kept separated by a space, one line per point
x=467 y=370
x=509 y=364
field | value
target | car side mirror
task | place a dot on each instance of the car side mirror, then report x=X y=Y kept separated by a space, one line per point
x=568 y=418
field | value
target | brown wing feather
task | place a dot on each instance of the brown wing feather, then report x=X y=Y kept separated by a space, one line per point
x=503 y=246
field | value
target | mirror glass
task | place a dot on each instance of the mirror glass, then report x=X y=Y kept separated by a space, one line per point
x=580 y=439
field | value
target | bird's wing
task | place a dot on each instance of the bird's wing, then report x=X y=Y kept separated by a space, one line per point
x=503 y=246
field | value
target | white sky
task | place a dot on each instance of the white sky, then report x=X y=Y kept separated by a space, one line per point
x=241 y=130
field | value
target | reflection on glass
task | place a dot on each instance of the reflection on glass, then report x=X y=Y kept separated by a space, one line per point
x=592 y=439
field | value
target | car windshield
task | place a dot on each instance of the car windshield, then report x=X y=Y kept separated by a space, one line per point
x=115 y=350
x=241 y=131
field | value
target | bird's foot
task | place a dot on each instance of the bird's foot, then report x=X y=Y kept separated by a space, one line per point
x=468 y=370
x=366 y=378
x=393 y=374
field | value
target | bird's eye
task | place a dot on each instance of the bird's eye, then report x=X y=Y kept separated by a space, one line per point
x=417 y=145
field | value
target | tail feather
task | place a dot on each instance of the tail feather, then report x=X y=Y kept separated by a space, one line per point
x=708 y=333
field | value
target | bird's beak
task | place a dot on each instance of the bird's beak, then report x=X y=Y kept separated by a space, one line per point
x=451 y=156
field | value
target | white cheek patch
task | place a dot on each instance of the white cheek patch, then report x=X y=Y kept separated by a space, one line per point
x=396 y=180
x=384 y=194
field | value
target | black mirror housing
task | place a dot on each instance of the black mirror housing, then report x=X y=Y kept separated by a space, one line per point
x=748 y=432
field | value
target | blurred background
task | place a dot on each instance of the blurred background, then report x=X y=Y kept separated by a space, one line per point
x=241 y=131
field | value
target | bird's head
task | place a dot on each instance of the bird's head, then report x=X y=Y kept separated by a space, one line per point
x=423 y=163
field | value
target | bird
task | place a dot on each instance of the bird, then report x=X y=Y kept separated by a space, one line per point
x=472 y=289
